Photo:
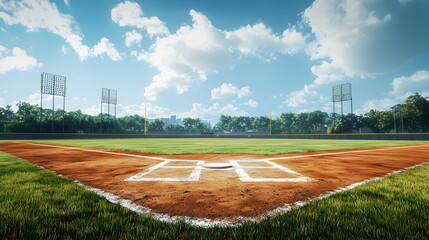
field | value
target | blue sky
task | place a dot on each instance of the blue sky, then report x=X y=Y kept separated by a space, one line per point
x=207 y=58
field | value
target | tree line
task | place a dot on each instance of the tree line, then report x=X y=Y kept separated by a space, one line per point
x=411 y=116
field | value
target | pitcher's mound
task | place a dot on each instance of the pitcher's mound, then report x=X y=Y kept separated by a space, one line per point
x=217 y=165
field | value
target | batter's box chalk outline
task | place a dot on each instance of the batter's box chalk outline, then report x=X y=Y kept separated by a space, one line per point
x=193 y=177
x=244 y=177
x=240 y=170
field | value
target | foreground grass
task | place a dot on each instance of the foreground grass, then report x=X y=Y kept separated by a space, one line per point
x=241 y=146
x=36 y=204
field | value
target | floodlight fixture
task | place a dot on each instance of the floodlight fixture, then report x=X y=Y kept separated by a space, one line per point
x=341 y=93
x=54 y=85
x=108 y=96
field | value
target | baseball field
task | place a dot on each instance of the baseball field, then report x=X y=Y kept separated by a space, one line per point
x=161 y=189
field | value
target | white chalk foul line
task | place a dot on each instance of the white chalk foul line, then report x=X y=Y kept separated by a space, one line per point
x=107 y=152
x=346 y=152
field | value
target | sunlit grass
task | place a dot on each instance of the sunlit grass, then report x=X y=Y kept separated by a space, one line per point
x=36 y=204
x=240 y=146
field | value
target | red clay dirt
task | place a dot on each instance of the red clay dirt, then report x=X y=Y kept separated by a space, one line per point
x=218 y=193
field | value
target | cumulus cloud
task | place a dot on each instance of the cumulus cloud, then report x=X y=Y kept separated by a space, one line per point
x=152 y=111
x=304 y=96
x=213 y=112
x=402 y=87
x=379 y=104
x=368 y=36
x=108 y=48
x=33 y=99
x=361 y=38
x=326 y=73
x=130 y=14
x=260 y=40
x=93 y=110
x=38 y=15
x=229 y=90
x=133 y=38
x=185 y=57
x=17 y=59
x=250 y=103
x=418 y=80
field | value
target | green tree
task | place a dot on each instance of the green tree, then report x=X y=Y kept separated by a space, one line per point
x=317 y=120
x=416 y=113
x=347 y=124
x=301 y=123
x=379 y=121
x=224 y=122
x=175 y=128
x=6 y=117
x=156 y=125
x=194 y=124
x=261 y=123
x=285 y=121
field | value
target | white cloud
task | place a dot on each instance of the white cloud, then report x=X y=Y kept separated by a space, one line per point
x=18 y=60
x=367 y=36
x=250 y=103
x=417 y=81
x=380 y=104
x=260 y=40
x=41 y=14
x=38 y=15
x=130 y=14
x=327 y=107
x=185 y=57
x=152 y=111
x=361 y=38
x=213 y=112
x=304 y=96
x=34 y=99
x=64 y=49
x=402 y=87
x=67 y=2
x=133 y=37
x=229 y=90
x=108 y=48
x=326 y=73
x=94 y=110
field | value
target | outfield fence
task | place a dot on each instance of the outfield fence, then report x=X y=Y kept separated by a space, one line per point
x=358 y=136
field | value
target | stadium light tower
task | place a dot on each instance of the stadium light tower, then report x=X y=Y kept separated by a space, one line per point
x=54 y=85
x=108 y=96
x=342 y=93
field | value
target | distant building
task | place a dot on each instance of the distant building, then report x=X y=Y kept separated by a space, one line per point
x=172 y=120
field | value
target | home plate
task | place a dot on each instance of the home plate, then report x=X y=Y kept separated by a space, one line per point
x=217 y=165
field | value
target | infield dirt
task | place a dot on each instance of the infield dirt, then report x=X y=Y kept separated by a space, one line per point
x=218 y=193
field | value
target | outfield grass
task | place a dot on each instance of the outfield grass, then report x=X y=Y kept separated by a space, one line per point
x=37 y=204
x=242 y=146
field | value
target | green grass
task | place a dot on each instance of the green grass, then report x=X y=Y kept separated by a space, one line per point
x=243 y=146
x=36 y=204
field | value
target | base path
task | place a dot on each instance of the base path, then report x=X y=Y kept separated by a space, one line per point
x=179 y=185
